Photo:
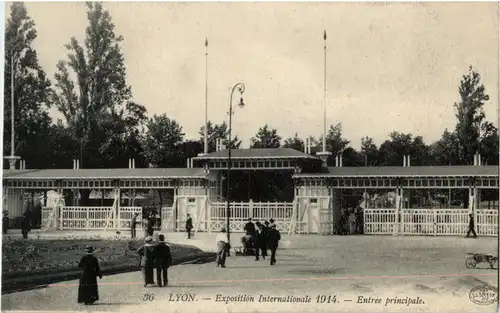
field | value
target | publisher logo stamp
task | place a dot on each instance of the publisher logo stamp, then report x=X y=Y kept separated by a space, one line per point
x=483 y=295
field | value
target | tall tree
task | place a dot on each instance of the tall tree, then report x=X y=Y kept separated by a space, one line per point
x=295 y=143
x=161 y=142
x=489 y=144
x=98 y=106
x=31 y=92
x=392 y=151
x=266 y=138
x=351 y=157
x=218 y=131
x=445 y=151
x=470 y=115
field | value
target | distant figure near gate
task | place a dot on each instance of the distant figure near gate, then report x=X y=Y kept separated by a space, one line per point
x=5 y=221
x=471 y=226
x=133 y=224
x=189 y=225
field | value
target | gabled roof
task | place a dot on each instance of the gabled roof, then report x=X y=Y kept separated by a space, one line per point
x=411 y=171
x=262 y=153
x=115 y=173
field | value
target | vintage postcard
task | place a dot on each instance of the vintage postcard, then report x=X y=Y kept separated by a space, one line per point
x=250 y=157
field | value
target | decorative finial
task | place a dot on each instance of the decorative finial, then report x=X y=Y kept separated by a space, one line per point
x=324 y=35
x=206 y=42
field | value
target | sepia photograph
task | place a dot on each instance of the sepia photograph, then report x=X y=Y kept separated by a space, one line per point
x=250 y=157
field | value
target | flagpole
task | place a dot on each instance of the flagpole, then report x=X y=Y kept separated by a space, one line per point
x=324 y=154
x=324 y=99
x=205 y=146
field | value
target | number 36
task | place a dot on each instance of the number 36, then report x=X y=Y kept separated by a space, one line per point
x=148 y=297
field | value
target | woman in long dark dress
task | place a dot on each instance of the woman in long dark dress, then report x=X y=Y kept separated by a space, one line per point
x=88 y=291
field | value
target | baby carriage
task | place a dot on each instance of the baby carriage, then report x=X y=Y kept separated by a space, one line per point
x=247 y=246
x=477 y=258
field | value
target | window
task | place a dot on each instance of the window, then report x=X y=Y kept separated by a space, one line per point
x=313 y=200
x=191 y=200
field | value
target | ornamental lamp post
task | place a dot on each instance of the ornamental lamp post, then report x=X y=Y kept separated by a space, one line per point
x=241 y=89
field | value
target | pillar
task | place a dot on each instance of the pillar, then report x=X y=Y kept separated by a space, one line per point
x=324 y=157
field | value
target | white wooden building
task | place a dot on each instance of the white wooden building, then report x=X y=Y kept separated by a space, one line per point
x=314 y=207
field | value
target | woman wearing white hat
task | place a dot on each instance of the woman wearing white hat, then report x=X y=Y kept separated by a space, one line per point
x=147 y=253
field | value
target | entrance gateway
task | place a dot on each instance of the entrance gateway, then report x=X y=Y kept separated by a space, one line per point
x=295 y=189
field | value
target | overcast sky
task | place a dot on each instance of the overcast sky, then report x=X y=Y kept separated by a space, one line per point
x=389 y=66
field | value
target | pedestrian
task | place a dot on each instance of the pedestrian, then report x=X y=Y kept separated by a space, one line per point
x=189 y=225
x=273 y=238
x=249 y=229
x=266 y=230
x=133 y=224
x=223 y=246
x=472 y=228
x=352 y=222
x=261 y=242
x=88 y=291
x=5 y=222
x=151 y=223
x=145 y=213
x=29 y=217
x=163 y=260
x=24 y=225
x=147 y=253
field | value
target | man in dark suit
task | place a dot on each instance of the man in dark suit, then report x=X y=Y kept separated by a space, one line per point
x=147 y=253
x=472 y=226
x=25 y=225
x=133 y=224
x=189 y=225
x=273 y=237
x=261 y=245
x=163 y=260
x=5 y=222
x=151 y=224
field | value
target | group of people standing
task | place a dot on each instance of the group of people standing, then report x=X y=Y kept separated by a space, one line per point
x=26 y=222
x=259 y=237
x=155 y=255
x=148 y=221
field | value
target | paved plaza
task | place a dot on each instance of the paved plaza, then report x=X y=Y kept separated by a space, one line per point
x=336 y=270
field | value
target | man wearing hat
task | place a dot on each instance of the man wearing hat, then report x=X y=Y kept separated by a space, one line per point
x=273 y=237
x=222 y=247
x=88 y=291
x=147 y=253
x=133 y=224
x=5 y=221
x=163 y=260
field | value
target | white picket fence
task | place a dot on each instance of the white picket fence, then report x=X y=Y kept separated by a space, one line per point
x=240 y=212
x=437 y=222
x=89 y=218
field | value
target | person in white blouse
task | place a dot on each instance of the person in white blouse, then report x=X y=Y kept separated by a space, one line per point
x=222 y=246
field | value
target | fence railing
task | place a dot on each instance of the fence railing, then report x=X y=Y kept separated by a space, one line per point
x=89 y=218
x=240 y=212
x=431 y=222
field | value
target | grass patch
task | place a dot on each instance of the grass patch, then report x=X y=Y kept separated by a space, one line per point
x=30 y=263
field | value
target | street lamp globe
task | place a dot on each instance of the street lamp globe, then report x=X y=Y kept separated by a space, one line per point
x=241 y=104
